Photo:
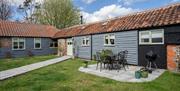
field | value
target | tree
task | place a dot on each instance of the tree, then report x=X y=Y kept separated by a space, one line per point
x=5 y=10
x=28 y=9
x=59 y=13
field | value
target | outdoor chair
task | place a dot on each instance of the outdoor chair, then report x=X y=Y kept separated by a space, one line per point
x=99 y=60
x=125 y=58
x=122 y=60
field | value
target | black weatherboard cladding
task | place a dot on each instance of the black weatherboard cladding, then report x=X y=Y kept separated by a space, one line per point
x=157 y=49
x=171 y=37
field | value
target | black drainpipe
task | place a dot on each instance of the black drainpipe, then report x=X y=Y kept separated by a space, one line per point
x=91 y=48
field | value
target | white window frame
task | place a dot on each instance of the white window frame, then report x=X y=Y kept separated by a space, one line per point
x=86 y=43
x=37 y=42
x=24 y=40
x=150 y=37
x=53 y=44
x=109 y=37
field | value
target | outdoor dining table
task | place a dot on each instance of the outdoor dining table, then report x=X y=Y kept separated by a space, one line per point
x=111 y=60
x=115 y=62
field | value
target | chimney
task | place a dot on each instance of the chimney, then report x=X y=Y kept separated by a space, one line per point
x=81 y=19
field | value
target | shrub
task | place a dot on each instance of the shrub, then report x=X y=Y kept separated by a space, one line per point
x=106 y=53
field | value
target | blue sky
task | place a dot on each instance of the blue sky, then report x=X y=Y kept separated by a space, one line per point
x=97 y=10
x=95 y=5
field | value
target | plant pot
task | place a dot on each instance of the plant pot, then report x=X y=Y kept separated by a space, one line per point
x=137 y=74
x=144 y=74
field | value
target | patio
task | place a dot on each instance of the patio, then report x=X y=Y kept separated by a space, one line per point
x=122 y=75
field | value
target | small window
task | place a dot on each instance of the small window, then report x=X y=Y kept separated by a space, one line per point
x=151 y=37
x=53 y=44
x=85 y=41
x=18 y=43
x=109 y=39
x=37 y=43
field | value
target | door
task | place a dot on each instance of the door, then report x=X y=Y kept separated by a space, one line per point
x=173 y=53
x=69 y=47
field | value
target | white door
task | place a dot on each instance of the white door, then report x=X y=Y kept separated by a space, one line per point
x=69 y=47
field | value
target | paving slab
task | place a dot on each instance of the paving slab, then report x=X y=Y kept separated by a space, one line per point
x=21 y=70
x=122 y=75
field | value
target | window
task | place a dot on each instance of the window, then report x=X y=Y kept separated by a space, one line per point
x=37 y=43
x=85 y=41
x=53 y=44
x=151 y=37
x=109 y=39
x=18 y=43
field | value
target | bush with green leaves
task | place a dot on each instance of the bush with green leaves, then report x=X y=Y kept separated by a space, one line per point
x=106 y=53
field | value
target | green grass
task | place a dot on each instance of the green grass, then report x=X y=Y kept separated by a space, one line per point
x=17 y=62
x=65 y=76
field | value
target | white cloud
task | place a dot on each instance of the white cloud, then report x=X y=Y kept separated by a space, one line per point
x=107 y=12
x=130 y=2
x=88 y=1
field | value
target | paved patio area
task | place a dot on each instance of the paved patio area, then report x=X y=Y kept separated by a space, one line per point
x=122 y=75
x=21 y=70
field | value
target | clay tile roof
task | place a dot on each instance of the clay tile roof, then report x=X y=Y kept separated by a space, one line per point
x=8 y=28
x=168 y=15
x=69 y=32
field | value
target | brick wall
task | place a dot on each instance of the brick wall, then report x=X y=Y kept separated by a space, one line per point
x=62 y=47
x=171 y=57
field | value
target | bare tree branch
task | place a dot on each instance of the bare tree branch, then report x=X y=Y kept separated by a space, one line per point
x=5 y=10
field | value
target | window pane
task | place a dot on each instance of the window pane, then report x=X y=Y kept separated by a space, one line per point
x=106 y=37
x=112 y=41
x=145 y=35
x=83 y=42
x=145 y=40
x=15 y=45
x=157 y=34
x=21 y=39
x=106 y=41
x=55 y=44
x=157 y=40
x=15 y=39
x=21 y=45
x=87 y=42
x=37 y=45
x=37 y=40
x=112 y=37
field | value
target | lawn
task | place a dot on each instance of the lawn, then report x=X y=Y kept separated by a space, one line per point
x=17 y=62
x=64 y=76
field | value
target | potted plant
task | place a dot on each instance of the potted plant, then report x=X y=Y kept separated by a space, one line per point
x=137 y=74
x=144 y=72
